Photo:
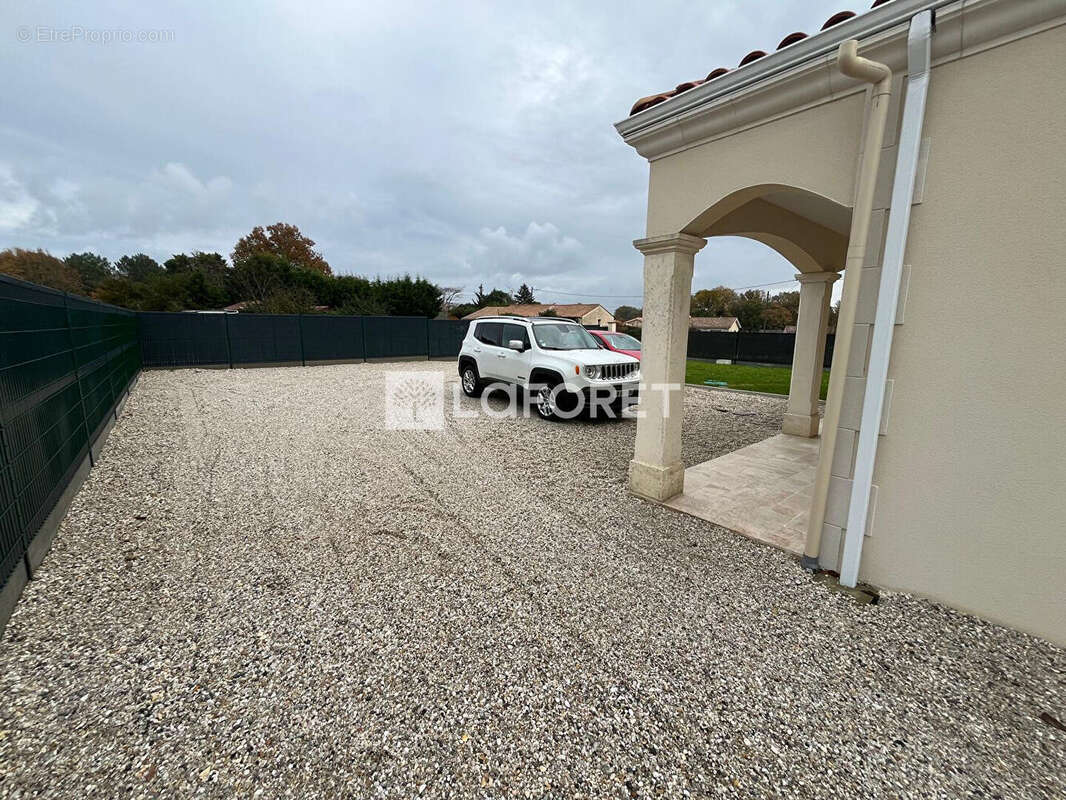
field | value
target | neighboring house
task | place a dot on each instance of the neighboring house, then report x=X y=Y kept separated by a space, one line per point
x=724 y=324
x=591 y=314
x=937 y=472
x=789 y=329
x=721 y=324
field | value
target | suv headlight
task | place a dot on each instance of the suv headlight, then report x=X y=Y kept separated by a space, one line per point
x=592 y=372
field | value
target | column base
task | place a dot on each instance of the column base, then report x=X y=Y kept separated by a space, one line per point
x=654 y=482
x=801 y=425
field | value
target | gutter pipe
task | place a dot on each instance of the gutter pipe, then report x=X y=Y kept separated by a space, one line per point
x=853 y=66
x=919 y=47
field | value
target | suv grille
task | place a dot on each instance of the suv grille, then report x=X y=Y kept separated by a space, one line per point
x=616 y=372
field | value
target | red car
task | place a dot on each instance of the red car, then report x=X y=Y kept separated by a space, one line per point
x=619 y=342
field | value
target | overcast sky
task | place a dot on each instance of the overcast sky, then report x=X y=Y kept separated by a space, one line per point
x=467 y=142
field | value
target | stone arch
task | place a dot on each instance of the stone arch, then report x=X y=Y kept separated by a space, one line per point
x=808 y=229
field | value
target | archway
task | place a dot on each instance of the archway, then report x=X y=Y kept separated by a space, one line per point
x=811 y=232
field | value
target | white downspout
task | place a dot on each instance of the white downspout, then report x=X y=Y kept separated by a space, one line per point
x=919 y=48
x=852 y=65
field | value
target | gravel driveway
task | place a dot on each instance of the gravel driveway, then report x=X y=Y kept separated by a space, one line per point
x=261 y=592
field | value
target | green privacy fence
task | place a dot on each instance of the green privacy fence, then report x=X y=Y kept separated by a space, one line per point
x=65 y=364
x=229 y=340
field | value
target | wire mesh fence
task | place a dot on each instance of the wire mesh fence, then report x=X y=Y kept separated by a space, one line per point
x=65 y=364
x=185 y=339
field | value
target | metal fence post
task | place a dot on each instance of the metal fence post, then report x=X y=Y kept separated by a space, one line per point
x=736 y=348
x=300 y=330
x=229 y=351
x=429 y=350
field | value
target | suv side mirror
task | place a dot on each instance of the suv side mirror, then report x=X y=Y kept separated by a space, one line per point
x=517 y=344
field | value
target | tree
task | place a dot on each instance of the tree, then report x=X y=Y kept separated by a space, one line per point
x=139 y=267
x=524 y=296
x=775 y=318
x=281 y=239
x=463 y=309
x=748 y=308
x=497 y=297
x=259 y=276
x=548 y=312
x=448 y=295
x=624 y=313
x=789 y=300
x=39 y=266
x=409 y=296
x=716 y=302
x=92 y=269
x=208 y=263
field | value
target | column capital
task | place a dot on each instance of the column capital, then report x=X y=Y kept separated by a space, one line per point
x=670 y=243
x=817 y=277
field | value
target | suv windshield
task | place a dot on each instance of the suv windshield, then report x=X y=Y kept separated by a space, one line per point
x=623 y=341
x=564 y=336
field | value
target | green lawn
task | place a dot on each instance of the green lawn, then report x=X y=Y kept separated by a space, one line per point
x=755 y=379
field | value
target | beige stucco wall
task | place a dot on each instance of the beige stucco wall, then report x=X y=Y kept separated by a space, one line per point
x=971 y=474
x=815 y=149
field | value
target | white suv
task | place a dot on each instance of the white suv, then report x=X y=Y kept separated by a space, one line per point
x=560 y=365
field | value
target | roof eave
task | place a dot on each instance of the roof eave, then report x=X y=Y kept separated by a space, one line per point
x=797 y=62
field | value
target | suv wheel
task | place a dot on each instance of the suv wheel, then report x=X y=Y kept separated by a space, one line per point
x=471 y=380
x=552 y=399
x=546 y=402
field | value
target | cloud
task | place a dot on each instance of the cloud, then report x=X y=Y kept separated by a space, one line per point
x=470 y=144
x=17 y=207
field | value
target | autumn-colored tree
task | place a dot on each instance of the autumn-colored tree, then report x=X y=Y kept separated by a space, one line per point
x=39 y=266
x=789 y=300
x=280 y=239
x=775 y=317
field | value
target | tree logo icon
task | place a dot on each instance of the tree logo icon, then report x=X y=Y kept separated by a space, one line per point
x=414 y=400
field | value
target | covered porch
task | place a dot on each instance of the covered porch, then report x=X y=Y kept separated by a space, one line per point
x=763 y=491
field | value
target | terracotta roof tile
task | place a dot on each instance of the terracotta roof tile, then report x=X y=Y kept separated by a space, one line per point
x=654 y=99
x=837 y=18
x=684 y=87
x=792 y=38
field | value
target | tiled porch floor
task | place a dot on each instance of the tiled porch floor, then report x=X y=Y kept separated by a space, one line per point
x=762 y=491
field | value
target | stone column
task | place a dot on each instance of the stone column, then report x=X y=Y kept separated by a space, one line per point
x=656 y=471
x=815 y=293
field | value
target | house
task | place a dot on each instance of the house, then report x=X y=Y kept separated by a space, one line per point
x=721 y=324
x=718 y=324
x=923 y=164
x=592 y=315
